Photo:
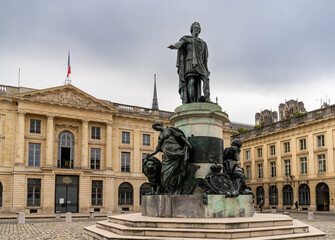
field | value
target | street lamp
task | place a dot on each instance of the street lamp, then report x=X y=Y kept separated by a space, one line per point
x=289 y=179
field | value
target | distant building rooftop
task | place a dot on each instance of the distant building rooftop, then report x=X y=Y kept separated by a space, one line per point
x=300 y=119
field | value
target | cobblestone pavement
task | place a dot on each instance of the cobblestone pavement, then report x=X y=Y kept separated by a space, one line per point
x=51 y=229
x=324 y=222
x=44 y=229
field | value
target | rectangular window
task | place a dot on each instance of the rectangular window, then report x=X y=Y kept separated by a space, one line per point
x=146 y=140
x=287 y=147
x=125 y=162
x=95 y=158
x=34 y=192
x=259 y=153
x=302 y=144
x=321 y=141
x=35 y=126
x=273 y=169
x=322 y=163
x=247 y=155
x=126 y=137
x=96 y=133
x=248 y=172
x=303 y=165
x=34 y=158
x=97 y=193
x=287 y=167
x=260 y=170
x=272 y=150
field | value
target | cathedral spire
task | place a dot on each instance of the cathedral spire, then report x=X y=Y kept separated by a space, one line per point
x=155 y=100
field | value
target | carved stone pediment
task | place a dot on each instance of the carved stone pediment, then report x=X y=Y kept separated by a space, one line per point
x=67 y=95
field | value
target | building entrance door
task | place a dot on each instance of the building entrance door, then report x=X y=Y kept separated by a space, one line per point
x=66 y=193
x=322 y=197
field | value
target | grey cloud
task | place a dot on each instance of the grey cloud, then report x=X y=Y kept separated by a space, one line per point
x=260 y=46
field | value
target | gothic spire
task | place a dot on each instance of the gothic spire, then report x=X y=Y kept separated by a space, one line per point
x=155 y=100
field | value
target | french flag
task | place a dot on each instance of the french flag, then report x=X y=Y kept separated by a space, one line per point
x=68 y=65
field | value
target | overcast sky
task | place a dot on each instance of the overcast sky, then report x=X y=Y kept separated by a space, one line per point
x=261 y=52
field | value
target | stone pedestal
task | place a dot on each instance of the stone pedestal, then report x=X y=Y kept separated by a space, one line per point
x=202 y=124
x=192 y=206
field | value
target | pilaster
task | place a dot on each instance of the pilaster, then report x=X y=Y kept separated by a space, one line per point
x=84 y=145
x=19 y=157
x=50 y=142
x=109 y=141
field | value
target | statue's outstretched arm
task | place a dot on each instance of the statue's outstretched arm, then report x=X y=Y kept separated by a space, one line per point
x=158 y=148
x=177 y=45
x=153 y=153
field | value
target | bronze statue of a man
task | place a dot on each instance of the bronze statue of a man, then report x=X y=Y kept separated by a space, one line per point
x=192 y=66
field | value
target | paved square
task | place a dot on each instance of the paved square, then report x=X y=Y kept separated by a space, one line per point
x=47 y=229
x=44 y=229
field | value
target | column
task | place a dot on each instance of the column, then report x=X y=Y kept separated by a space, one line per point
x=84 y=145
x=50 y=142
x=19 y=158
x=109 y=135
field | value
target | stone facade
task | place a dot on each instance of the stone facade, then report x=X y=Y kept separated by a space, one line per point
x=92 y=147
x=293 y=160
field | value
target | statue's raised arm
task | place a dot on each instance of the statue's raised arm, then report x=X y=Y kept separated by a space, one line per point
x=192 y=67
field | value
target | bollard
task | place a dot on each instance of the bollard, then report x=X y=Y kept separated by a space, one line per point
x=310 y=216
x=21 y=218
x=68 y=217
x=57 y=214
x=91 y=215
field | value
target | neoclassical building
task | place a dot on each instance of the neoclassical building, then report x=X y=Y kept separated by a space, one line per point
x=62 y=149
x=293 y=160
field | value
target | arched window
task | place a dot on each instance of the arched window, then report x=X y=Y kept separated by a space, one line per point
x=65 y=150
x=0 y=194
x=304 y=195
x=260 y=195
x=126 y=194
x=273 y=195
x=144 y=190
x=322 y=197
x=287 y=195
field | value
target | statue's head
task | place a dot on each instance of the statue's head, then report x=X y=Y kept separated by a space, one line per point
x=237 y=143
x=157 y=125
x=195 y=26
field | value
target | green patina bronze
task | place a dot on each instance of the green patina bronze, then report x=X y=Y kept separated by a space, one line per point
x=192 y=66
x=177 y=175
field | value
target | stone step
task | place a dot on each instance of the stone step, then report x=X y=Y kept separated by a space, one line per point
x=298 y=227
x=258 y=220
x=94 y=233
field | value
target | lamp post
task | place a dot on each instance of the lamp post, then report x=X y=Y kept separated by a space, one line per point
x=290 y=179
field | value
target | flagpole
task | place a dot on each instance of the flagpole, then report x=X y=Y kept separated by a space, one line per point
x=18 y=80
x=67 y=78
